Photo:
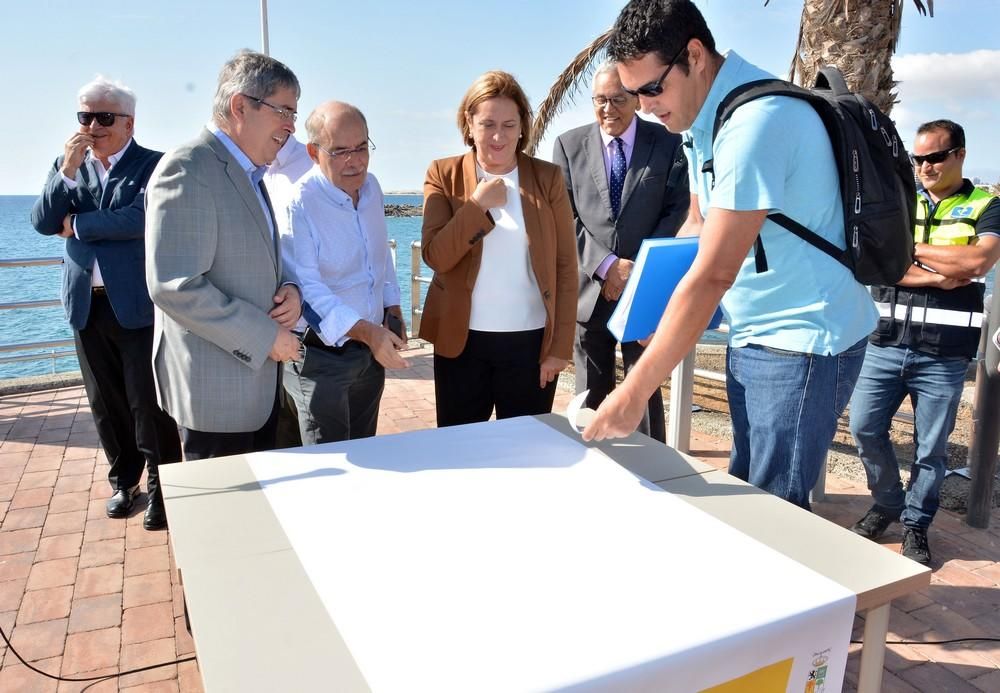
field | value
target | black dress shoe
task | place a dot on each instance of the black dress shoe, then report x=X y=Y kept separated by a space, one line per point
x=120 y=504
x=156 y=514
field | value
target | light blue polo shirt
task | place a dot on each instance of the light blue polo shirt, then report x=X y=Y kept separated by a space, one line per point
x=775 y=154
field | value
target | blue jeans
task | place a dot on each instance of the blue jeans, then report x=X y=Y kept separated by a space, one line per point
x=934 y=384
x=784 y=407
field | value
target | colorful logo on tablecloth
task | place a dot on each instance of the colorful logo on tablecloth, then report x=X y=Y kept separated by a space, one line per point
x=816 y=683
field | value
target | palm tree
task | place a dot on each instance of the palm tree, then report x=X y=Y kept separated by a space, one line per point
x=857 y=36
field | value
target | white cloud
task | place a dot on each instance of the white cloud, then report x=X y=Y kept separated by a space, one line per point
x=955 y=76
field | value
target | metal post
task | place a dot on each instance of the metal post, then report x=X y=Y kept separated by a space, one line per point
x=415 y=280
x=263 y=28
x=985 y=422
x=681 y=397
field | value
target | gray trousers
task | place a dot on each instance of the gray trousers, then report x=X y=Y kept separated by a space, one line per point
x=336 y=392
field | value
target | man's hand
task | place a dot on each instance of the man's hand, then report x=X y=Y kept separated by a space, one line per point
x=490 y=193
x=287 y=306
x=67 y=227
x=615 y=279
x=383 y=343
x=73 y=153
x=286 y=346
x=949 y=283
x=550 y=369
x=618 y=416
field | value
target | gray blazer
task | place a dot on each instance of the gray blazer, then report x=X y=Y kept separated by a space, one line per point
x=654 y=201
x=212 y=272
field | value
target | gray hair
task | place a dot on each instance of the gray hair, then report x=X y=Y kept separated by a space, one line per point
x=251 y=73
x=317 y=120
x=608 y=67
x=103 y=88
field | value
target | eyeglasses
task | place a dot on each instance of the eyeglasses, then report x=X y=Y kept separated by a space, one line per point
x=655 y=88
x=104 y=118
x=282 y=112
x=616 y=100
x=933 y=157
x=346 y=154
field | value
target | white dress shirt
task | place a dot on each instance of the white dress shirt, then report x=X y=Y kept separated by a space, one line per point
x=505 y=297
x=102 y=174
x=340 y=255
x=287 y=169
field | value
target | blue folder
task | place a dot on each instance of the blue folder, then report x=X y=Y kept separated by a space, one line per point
x=659 y=266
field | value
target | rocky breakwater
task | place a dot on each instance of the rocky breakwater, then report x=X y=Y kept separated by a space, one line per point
x=394 y=210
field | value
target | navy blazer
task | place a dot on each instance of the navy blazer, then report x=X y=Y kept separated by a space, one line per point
x=110 y=226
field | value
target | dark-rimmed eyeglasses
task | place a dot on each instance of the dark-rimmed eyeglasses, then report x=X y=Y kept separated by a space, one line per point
x=282 y=112
x=618 y=100
x=345 y=154
x=655 y=88
x=933 y=157
x=104 y=118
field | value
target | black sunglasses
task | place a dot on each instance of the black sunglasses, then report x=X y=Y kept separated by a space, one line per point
x=104 y=118
x=933 y=157
x=655 y=88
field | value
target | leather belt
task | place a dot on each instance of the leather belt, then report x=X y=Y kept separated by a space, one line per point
x=314 y=341
x=98 y=291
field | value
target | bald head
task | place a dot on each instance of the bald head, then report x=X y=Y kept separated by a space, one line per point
x=338 y=143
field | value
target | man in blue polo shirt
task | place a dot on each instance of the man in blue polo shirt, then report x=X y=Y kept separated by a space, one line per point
x=799 y=328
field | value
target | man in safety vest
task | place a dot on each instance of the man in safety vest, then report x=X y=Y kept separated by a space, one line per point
x=927 y=333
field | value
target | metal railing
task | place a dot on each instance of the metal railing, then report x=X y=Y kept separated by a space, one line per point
x=57 y=348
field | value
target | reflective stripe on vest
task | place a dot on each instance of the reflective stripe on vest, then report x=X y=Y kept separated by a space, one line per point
x=932 y=316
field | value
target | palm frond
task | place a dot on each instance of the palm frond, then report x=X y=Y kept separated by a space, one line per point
x=566 y=86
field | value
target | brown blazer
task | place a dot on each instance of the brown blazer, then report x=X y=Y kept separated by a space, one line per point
x=453 y=227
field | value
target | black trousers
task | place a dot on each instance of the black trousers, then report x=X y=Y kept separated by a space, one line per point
x=496 y=369
x=116 y=364
x=594 y=363
x=200 y=445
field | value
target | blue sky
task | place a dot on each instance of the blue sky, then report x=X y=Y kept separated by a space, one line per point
x=407 y=64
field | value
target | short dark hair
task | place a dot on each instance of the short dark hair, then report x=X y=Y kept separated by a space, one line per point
x=956 y=133
x=662 y=27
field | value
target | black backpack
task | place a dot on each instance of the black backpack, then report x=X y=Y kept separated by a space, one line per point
x=877 y=187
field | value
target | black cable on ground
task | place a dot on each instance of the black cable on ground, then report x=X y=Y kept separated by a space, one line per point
x=88 y=678
x=930 y=642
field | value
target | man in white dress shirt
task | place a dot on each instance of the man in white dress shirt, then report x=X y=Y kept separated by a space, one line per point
x=338 y=251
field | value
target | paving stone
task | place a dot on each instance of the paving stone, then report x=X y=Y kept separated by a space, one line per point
x=67 y=502
x=76 y=467
x=136 y=537
x=30 y=498
x=184 y=643
x=44 y=463
x=15 y=677
x=45 y=604
x=38 y=641
x=989 y=682
x=104 y=528
x=92 y=650
x=143 y=654
x=11 y=592
x=93 y=582
x=95 y=613
x=19 y=540
x=11 y=474
x=73 y=484
x=149 y=559
x=55 y=573
x=16 y=566
x=60 y=546
x=37 y=480
x=7 y=492
x=25 y=518
x=149 y=588
x=145 y=623
x=189 y=678
x=95 y=553
x=64 y=523
x=14 y=459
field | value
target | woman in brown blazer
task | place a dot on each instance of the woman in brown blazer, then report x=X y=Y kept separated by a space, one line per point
x=498 y=233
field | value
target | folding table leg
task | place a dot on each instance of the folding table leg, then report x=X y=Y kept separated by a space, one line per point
x=873 y=649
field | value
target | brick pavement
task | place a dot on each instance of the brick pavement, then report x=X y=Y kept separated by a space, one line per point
x=83 y=595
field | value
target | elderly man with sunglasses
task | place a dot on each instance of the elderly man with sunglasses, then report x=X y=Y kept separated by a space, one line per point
x=338 y=252
x=94 y=198
x=928 y=330
x=798 y=328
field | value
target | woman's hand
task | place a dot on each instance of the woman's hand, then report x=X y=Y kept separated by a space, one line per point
x=550 y=369
x=490 y=193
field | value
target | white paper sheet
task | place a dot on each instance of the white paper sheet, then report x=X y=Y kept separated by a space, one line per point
x=507 y=557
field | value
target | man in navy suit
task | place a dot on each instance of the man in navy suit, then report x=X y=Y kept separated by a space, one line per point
x=94 y=198
x=627 y=180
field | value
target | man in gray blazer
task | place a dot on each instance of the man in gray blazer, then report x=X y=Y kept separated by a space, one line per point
x=627 y=180
x=93 y=198
x=223 y=310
